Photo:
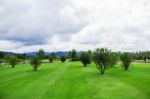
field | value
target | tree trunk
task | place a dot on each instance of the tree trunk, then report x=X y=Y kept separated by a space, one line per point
x=103 y=69
x=34 y=68
x=126 y=68
x=13 y=66
x=102 y=72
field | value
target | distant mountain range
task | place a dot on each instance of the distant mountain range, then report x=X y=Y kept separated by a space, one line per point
x=59 y=53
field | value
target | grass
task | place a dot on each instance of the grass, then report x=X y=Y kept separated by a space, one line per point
x=72 y=81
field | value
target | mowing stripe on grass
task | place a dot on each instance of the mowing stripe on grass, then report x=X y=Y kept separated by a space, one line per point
x=72 y=83
x=30 y=82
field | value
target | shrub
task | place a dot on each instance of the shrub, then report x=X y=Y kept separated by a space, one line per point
x=113 y=59
x=50 y=59
x=85 y=58
x=35 y=63
x=101 y=57
x=41 y=54
x=13 y=61
x=63 y=58
x=126 y=60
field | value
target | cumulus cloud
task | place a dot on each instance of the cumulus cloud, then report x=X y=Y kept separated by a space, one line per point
x=80 y=24
x=34 y=21
x=116 y=24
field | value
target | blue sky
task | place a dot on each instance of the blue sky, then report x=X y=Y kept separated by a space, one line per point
x=28 y=25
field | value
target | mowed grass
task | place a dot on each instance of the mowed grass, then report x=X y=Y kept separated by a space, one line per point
x=72 y=81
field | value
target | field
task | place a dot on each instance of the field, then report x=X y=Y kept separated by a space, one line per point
x=72 y=81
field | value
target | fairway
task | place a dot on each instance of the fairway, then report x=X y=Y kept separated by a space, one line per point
x=71 y=80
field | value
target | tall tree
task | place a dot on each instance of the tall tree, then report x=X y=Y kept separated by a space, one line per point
x=101 y=57
x=13 y=61
x=24 y=55
x=53 y=56
x=50 y=59
x=74 y=55
x=126 y=60
x=1 y=56
x=35 y=63
x=63 y=58
x=145 y=58
x=113 y=59
x=41 y=54
x=90 y=53
x=69 y=54
x=85 y=58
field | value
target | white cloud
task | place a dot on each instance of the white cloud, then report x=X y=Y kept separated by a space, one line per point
x=9 y=46
x=80 y=24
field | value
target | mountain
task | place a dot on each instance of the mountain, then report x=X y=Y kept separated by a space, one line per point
x=8 y=53
x=59 y=53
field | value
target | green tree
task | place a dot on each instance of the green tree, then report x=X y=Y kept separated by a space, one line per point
x=113 y=59
x=1 y=56
x=53 y=56
x=24 y=56
x=74 y=55
x=35 y=63
x=90 y=53
x=126 y=60
x=145 y=58
x=101 y=57
x=63 y=58
x=41 y=54
x=85 y=58
x=50 y=59
x=21 y=57
x=69 y=54
x=13 y=61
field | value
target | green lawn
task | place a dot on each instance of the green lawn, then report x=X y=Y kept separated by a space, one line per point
x=72 y=81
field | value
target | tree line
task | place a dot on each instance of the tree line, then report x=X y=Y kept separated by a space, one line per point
x=102 y=57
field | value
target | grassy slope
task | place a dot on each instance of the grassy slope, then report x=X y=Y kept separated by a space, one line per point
x=72 y=81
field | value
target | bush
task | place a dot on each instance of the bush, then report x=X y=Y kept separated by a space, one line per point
x=85 y=58
x=35 y=63
x=50 y=59
x=126 y=60
x=101 y=57
x=13 y=61
x=41 y=54
x=63 y=58
x=113 y=59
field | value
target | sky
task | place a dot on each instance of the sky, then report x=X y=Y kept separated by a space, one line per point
x=62 y=25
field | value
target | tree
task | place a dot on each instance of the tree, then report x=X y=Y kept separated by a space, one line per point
x=1 y=56
x=35 y=63
x=101 y=57
x=145 y=58
x=21 y=57
x=69 y=54
x=53 y=56
x=85 y=58
x=41 y=54
x=50 y=59
x=24 y=56
x=126 y=60
x=90 y=53
x=63 y=58
x=73 y=55
x=113 y=59
x=13 y=61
